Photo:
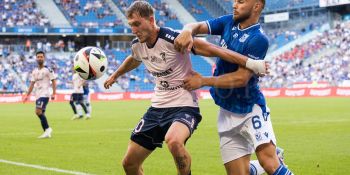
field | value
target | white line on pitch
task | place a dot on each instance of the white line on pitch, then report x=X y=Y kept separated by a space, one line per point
x=43 y=167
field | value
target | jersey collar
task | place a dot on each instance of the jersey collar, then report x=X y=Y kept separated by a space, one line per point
x=250 y=27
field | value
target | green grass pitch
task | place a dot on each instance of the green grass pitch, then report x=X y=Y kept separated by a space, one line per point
x=315 y=133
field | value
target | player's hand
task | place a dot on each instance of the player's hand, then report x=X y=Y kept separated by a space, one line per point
x=25 y=99
x=184 y=41
x=53 y=97
x=195 y=81
x=267 y=70
x=109 y=82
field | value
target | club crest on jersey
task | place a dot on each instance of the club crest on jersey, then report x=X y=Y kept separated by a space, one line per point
x=235 y=35
x=244 y=38
x=258 y=136
x=234 y=28
x=162 y=55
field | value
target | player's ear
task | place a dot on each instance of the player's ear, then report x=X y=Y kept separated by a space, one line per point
x=258 y=6
x=151 y=19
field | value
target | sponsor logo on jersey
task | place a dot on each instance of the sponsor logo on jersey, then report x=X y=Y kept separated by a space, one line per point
x=162 y=74
x=244 y=38
x=170 y=88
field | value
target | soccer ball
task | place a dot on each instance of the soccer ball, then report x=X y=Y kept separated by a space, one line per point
x=90 y=63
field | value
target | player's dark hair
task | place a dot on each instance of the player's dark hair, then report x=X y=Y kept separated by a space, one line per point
x=40 y=52
x=143 y=8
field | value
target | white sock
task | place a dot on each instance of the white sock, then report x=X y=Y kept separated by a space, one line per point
x=256 y=168
x=79 y=110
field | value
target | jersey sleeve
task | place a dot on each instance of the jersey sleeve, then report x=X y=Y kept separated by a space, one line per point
x=216 y=26
x=51 y=73
x=134 y=48
x=32 y=79
x=134 y=55
x=257 y=47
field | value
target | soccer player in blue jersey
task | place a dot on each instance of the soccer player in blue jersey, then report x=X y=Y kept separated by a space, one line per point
x=244 y=123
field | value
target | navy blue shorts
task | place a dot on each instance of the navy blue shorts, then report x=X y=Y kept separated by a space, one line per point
x=77 y=97
x=154 y=124
x=41 y=103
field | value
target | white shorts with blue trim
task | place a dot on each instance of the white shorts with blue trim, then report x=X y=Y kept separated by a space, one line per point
x=241 y=134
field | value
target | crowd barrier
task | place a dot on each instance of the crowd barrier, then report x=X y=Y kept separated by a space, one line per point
x=202 y=94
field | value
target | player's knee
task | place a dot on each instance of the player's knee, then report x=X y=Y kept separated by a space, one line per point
x=128 y=164
x=38 y=112
x=174 y=145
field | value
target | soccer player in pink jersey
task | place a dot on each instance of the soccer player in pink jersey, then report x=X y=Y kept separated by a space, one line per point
x=40 y=80
x=174 y=113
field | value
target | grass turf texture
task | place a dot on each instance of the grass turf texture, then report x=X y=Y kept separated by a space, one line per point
x=314 y=132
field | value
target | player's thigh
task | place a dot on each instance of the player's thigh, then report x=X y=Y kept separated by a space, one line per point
x=258 y=129
x=238 y=166
x=40 y=105
x=135 y=154
x=177 y=132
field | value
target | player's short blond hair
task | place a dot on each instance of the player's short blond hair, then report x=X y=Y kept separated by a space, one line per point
x=142 y=8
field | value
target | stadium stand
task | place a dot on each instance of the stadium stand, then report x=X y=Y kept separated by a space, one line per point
x=19 y=13
x=324 y=59
x=163 y=15
x=197 y=9
x=88 y=13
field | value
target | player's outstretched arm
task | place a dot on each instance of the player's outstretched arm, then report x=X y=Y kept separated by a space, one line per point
x=210 y=50
x=237 y=79
x=129 y=64
x=31 y=86
x=184 y=41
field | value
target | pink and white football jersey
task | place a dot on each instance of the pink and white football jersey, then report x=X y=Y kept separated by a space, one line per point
x=169 y=68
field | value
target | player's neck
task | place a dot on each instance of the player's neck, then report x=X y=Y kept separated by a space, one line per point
x=247 y=23
x=153 y=38
x=40 y=66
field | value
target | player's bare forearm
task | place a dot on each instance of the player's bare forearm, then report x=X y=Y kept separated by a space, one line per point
x=184 y=40
x=128 y=65
x=210 y=50
x=237 y=79
x=196 y=28
x=224 y=81
x=204 y=48
x=30 y=89
x=53 y=87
